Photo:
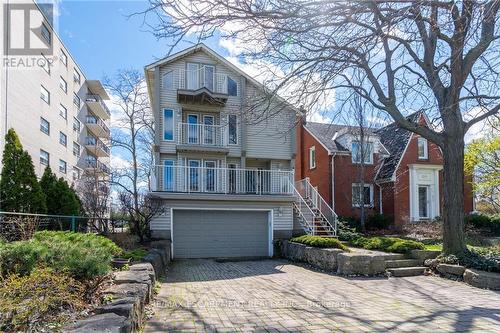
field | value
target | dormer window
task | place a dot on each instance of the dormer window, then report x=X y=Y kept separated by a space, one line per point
x=365 y=154
x=423 y=152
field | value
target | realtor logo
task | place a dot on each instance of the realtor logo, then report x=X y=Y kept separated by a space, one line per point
x=26 y=30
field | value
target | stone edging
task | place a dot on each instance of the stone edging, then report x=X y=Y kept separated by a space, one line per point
x=473 y=277
x=130 y=292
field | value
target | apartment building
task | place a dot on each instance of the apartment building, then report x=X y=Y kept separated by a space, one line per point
x=58 y=113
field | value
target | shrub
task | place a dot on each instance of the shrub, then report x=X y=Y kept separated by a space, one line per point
x=135 y=255
x=481 y=221
x=387 y=244
x=83 y=256
x=485 y=259
x=378 y=221
x=345 y=232
x=28 y=303
x=317 y=241
x=351 y=222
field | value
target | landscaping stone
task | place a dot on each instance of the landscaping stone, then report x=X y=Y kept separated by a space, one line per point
x=322 y=258
x=142 y=277
x=352 y=263
x=106 y=322
x=145 y=267
x=431 y=263
x=424 y=254
x=406 y=271
x=447 y=269
x=123 y=290
x=128 y=307
x=482 y=279
x=402 y=263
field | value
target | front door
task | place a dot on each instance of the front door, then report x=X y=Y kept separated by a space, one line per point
x=193 y=137
x=423 y=202
x=194 y=176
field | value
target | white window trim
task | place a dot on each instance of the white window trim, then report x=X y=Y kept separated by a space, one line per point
x=371 y=194
x=65 y=86
x=426 y=148
x=65 y=57
x=312 y=161
x=163 y=124
x=48 y=157
x=237 y=130
x=42 y=88
x=371 y=155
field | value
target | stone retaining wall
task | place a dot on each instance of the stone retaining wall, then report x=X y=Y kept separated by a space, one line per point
x=473 y=277
x=130 y=292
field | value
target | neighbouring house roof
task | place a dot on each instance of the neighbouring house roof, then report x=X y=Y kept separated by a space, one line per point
x=395 y=140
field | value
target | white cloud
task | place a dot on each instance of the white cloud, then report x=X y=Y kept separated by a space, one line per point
x=118 y=162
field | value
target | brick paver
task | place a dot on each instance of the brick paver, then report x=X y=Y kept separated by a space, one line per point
x=278 y=296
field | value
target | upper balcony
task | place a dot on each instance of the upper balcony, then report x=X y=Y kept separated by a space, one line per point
x=96 y=104
x=201 y=86
x=96 y=147
x=201 y=136
x=97 y=127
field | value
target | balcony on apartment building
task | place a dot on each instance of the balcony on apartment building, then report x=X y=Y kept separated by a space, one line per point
x=214 y=180
x=97 y=127
x=94 y=166
x=96 y=146
x=95 y=99
x=202 y=137
x=200 y=86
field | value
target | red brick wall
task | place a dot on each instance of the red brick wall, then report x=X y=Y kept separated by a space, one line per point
x=320 y=175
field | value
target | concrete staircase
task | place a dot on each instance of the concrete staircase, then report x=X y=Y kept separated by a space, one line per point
x=411 y=265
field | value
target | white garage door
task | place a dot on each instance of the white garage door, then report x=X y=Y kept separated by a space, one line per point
x=220 y=234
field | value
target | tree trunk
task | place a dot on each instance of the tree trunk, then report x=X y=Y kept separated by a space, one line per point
x=453 y=196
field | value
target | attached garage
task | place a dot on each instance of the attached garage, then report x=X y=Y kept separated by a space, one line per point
x=221 y=233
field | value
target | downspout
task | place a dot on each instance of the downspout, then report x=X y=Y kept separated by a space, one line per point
x=333 y=181
x=379 y=198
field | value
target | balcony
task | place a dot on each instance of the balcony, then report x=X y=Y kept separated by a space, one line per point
x=194 y=136
x=97 y=127
x=98 y=167
x=186 y=179
x=202 y=86
x=96 y=147
x=96 y=104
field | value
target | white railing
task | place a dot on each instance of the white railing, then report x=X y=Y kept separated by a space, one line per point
x=194 y=179
x=201 y=134
x=205 y=77
x=305 y=213
x=308 y=192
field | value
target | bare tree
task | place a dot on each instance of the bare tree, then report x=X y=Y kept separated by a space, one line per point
x=436 y=56
x=93 y=189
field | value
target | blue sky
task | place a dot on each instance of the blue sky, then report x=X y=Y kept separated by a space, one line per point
x=102 y=38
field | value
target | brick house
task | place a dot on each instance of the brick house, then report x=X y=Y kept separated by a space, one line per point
x=402 y=173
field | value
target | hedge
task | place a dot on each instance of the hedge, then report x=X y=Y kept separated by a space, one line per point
x=317 y=241
x=387 y=244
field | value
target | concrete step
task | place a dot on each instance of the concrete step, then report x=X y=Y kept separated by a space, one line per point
x=399 y=263
x=406 y=271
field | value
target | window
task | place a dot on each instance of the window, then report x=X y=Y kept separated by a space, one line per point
x=76 y=149
x=168 y=80
x=232 y=87
x=63 y=112
x=76 y=100
x=44 y=95
x=233 y=129
x=64 y=58
x=76 y=125
x=46 y=64
x=44 y=157
x=423 y=153
x=168 y=124
x=76 y=173
x=364 y=196
x=63 y=139
x=63 y=85
x=46 y=34
x=76 y=76
x=366 y=155
x=312 y=157
x=44 y=126
x=168 y=175
x=62 y=166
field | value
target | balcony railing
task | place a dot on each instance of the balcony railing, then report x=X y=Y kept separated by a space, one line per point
x=189 y=179
x=205 y=77
x=97 y=105
x=97 y=166
x=201 y=134
x=94 y=142
x=91 y=120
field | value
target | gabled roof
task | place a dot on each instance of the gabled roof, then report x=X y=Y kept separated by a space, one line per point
x=325 y=133
x=395 y=139
x=211 y=53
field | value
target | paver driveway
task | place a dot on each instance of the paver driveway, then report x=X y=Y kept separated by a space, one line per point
x=278 y=296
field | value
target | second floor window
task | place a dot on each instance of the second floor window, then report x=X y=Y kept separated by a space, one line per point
x=168 y=125
x=76 y=149
x=44 y=157
x=312 y=157
x=63 y=139
x=233 y=129
x=44 y=95
x=364 y=155
x=44 y=126
x=423 y=152
x=63 y=84
x=63 y=112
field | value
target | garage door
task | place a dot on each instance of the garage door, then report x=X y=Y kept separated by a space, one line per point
x=220 y=234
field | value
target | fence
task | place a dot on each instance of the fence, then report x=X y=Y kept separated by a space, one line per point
x=18 y=226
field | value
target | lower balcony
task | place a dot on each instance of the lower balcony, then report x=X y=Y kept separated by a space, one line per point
x=186 y=179
x=97 y=167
